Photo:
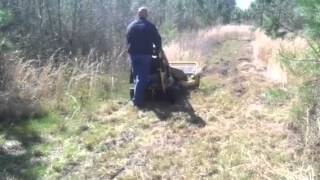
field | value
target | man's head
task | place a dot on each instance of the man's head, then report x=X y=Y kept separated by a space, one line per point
x=143 y=12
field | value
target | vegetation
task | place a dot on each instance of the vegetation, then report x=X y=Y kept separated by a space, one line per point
x=277 y=17
x=42 y=27
x=64 y=110
x=303 y=65
x=310 y=12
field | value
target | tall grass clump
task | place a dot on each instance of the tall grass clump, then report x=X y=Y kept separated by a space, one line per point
x=13 y=104
x=266 y=51
x=59 y=83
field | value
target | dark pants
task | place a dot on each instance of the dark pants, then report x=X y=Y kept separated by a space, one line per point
x=141 y=66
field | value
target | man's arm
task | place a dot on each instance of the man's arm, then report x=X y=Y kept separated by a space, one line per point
x=157 y=39
x=130 y=31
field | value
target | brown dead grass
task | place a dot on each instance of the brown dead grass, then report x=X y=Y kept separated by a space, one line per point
x=198 y=46
x=31 y=84
x=266 y=52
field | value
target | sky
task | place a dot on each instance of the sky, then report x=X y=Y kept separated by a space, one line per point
x=244 y=4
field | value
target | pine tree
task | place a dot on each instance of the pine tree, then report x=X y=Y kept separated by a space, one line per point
x=276 y=16
x=310 y=10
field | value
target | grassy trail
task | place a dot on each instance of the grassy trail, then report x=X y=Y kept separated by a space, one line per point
x=236 y=126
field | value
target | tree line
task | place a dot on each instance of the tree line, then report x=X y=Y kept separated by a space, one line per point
x=40 y=27
x=278 y=17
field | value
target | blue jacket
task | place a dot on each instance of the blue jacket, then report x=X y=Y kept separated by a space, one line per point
x=141 y=36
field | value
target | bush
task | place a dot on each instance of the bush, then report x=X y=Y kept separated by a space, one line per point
x=6 y=17
x=305 y=70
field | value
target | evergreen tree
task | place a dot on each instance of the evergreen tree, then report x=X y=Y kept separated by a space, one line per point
x=310 y=10
x=276 y=16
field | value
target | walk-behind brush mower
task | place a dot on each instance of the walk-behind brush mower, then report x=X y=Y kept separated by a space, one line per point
x=169 y=79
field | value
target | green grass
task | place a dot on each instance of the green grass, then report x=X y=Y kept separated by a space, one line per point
x=52 y=142
x=208 y=86
x=51 y=136
x=62 y=142
x=29 y=132
x=276 y=96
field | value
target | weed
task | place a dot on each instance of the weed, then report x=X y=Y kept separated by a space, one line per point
x=208 y=86
x=276 y=96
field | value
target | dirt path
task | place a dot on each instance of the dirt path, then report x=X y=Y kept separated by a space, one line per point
x=228 y=130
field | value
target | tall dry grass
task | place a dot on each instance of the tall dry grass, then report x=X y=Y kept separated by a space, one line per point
x=267 y=50
x=203 y=42
x=290 y=61
x=31 y=87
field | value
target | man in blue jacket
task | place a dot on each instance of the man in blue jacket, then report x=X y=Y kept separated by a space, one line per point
x=142 y=37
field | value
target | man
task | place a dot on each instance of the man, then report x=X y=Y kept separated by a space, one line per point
x=142 y=37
